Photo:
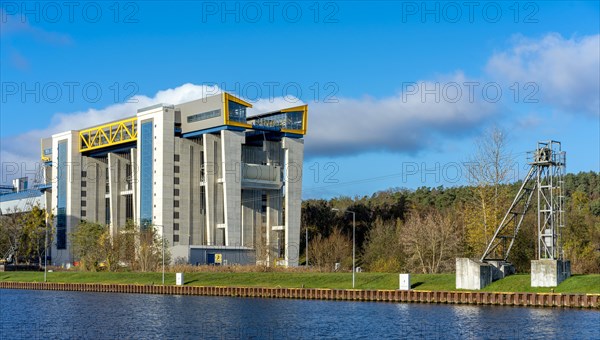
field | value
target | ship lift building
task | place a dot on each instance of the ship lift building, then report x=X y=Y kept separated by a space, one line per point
x=220 y=186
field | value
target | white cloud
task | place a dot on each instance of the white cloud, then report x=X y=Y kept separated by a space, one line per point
x=565 y=70
x=404 y=122
x=23 y=150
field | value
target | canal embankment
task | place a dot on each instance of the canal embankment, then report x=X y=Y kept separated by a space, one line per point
x=379 y=295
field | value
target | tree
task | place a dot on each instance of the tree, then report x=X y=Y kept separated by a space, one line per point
x=336 y=248
x=10 y=234
x=33 y=239
x=383 y=251
x=86 y=244
x=23 y=234
x=149 y=250
x=431 y=241
x=488 y=169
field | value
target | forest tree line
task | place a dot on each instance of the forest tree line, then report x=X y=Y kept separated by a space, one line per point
x=424 y=230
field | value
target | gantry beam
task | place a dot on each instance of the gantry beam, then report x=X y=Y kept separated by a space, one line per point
x=119 y=132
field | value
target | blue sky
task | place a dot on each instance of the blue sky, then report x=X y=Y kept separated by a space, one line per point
x=382 y=79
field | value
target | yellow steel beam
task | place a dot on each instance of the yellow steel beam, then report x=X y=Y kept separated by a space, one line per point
x=43 y=156
x=106 y=135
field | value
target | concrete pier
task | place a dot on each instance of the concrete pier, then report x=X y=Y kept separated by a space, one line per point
x=549 y=273
x=472 y=274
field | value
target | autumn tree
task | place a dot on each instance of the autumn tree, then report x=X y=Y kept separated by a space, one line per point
x=85 y=240
x=582 y=235
x=489 y=168
x=431 y=241
x=149 y=250
x=383 y=250
x=326 y=251
x=23 y=233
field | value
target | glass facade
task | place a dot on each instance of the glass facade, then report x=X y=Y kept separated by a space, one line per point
x=146 y=181
x=61 y=207
x=204 y=115
x=284 y=120
x=237 y=112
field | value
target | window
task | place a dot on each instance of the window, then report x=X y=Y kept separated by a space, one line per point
x=128 y=177
x=129 y=207
x=83 y=213
x=83 y=184
x=83 y=174
x=83 y=193
x=83 y=203
x=176 y=158
x=176 y=180
x=61 y=207
x=176 y=192
x=204 y=115
x=107 y=210
x=176 y=214
x=176 y=204
x=175 y=226
x=237 y=112
x=175 y=238
x=146 y=174
x=176 y=169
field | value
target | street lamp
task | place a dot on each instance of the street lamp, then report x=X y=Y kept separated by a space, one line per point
x=353 y=243
x=306 y=246
x=162 y=237
x=46 y=255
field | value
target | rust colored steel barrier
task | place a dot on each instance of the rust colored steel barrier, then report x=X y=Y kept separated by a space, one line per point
x=415 y=296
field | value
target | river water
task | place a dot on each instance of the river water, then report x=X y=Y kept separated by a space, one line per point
x=29 y=314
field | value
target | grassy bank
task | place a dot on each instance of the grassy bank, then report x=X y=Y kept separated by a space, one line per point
x=589 y=284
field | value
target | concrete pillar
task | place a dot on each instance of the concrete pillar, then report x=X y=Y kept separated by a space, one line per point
x=210 y=170
x=117 y=183
x=549 y=273
x=231 y=151
x=294 y=155
x=71 y=174
x=134 y=180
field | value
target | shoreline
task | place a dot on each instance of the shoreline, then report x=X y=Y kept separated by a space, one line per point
x=566 y=300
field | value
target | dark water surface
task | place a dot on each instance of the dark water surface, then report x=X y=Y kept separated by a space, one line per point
x=29 y=314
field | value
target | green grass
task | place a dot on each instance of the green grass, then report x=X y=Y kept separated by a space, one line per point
x=589 y=284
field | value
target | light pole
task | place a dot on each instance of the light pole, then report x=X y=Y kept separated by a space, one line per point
x=306 y=246
x=46 y=255
x=162 y=237
x=353 y=244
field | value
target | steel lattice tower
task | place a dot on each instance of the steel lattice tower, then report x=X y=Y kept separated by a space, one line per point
x=545 y=177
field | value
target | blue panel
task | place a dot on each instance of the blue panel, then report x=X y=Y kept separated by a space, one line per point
x=211 y=130
x=146 y=178
x=25 y=194
x=61 y=207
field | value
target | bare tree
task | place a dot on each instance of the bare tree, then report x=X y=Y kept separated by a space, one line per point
x=490 y=166
x=336 y=248
x=431 y=241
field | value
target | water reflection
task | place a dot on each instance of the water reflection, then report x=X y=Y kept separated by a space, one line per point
x=48 y=314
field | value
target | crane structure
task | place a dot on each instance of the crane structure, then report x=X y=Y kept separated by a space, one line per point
x=545 y=177
x=545 y=181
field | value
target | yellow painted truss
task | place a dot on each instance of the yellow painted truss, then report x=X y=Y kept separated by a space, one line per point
x=123 y=131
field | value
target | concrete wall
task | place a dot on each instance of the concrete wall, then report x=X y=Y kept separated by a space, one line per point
x=549 y=273
x=73 y=191
x=200 y=106
x=231 y=150
x=294 y=155
x=472 y=274
x=198 y=255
